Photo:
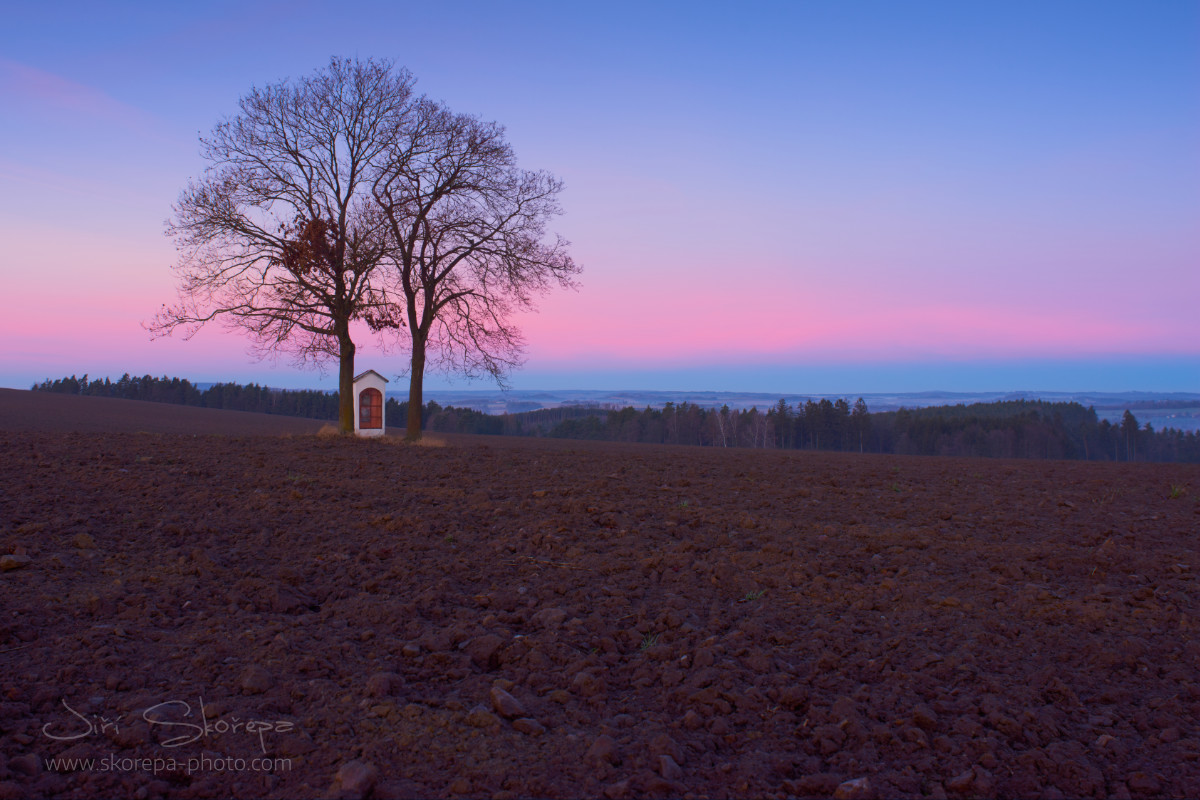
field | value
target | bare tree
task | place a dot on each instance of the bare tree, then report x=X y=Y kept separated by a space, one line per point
x=281 y=237
x=469 y=245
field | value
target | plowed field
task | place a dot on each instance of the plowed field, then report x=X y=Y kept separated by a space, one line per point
x=293 y=616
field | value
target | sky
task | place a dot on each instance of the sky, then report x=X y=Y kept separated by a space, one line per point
x=765 y=196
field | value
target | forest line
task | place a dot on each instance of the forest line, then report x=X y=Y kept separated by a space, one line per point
x=1008 y=429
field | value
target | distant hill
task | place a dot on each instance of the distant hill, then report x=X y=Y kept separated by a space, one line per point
x=1179 y=410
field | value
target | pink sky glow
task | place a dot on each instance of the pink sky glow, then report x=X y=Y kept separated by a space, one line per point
x=700 y=326
x=805 y=184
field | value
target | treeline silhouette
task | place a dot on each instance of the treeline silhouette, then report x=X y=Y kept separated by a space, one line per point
x=309 y=403
x=1028 y=429
x=237 y=397
x=1008 y=429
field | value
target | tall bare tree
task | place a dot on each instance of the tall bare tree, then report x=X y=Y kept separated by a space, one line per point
x=282 y=236
x=469 y=245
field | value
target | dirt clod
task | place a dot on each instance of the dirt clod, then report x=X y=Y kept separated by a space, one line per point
x=529 y=726
x=603 y=751
x=10 y=562
x=484 y=651
x=669 y=768
x=854 y=789
x=256 y=679
x=480 y=717
x=353 y=781
x=382 y=684
x=505 y=704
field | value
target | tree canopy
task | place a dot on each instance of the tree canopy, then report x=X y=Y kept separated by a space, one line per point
x=343 y=198
x=280 y=237
x=468 y=231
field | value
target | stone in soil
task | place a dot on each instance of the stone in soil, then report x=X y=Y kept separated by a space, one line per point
x=382 y=684
x=505 y=704
x=603 y=751
x=662 y=744
x=256 y=679
x=854 y=789
x=11 y=562
x=618 y=790
x=669 y=768
x=529 y=726
x=484 y=650
x=549 y=618
x=1144 y=784
x=28 y=765
x=817 y=783
x=924 y=717
x=961 y=782
x=353 y=781
x=480 y=717
x=586 y=684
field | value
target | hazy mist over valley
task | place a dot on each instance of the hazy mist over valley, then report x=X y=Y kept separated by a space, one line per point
x=1179 y=410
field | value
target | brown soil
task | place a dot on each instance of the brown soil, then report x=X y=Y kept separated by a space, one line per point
x=663 y=621
x=59 y=413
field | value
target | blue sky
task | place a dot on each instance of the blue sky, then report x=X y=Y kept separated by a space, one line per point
x=792 y=196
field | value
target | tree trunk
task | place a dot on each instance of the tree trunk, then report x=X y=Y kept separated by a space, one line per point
x=416 y=385
x=345 y=381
